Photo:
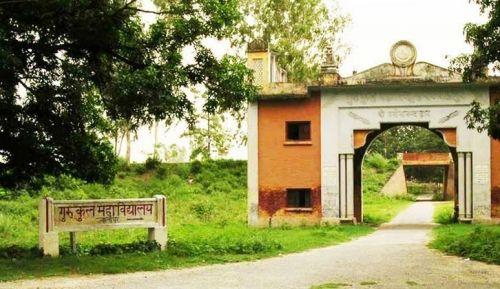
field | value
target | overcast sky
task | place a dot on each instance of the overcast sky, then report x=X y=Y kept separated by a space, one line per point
x=435 y=27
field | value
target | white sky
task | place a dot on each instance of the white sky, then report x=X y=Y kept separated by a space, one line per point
x=435 y=27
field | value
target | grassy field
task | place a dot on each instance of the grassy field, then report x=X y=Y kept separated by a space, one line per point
x=206 y=217
x=474 y=241
x=380 y=209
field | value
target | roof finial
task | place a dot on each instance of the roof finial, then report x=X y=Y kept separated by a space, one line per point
x=329 y=69
x=329 y=55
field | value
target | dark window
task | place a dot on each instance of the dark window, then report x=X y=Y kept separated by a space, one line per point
x=298 y=130
x=298 y=198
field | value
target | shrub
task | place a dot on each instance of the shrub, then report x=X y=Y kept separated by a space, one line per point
x=203 y=210
x=195 y=167
x=122 y=165
x=219 y=245
x=445 y=214
x=376 y=161
x=152 y=163
x=478 y=242
x=134 y=247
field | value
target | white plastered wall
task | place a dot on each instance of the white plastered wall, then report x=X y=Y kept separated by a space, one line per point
x=253 y=164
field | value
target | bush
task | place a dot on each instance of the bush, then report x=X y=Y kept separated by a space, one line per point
x=195 y=167
x=478 y=242
x=108 y=249
x=220 y=246
x=445 y=214
x=203 y=210
x=376 y=161
x=152 y=163
x=161 y=172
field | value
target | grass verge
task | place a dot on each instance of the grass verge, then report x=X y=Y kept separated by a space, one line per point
x=474 y=241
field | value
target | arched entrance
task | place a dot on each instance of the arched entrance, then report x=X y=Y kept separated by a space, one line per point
x=364 y=138
x=340 y=116
x=352 y=116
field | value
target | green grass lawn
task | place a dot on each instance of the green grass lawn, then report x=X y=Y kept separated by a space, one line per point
x=378 y=209
x=206 y=218
x=474 y=241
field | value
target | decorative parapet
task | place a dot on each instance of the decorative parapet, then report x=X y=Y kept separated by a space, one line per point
x=402 y=71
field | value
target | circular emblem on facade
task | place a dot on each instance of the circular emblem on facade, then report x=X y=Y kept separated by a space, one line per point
x=403 y=53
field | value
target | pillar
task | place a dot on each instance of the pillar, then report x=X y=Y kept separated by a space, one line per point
x=465 y=186
x=346 y=187
x=48 y=239
x=159 y=233
x=253 y=164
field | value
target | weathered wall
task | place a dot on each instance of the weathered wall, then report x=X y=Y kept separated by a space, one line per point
x=284 y=165
x=396 y=184
x=495 y=166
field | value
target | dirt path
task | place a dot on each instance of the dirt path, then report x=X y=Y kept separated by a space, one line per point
x=395 y=256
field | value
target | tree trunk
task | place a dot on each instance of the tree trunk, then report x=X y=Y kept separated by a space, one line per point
x=129 y=145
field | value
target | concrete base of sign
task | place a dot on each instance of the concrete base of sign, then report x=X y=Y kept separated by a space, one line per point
x=158 y=234
x=49 y=243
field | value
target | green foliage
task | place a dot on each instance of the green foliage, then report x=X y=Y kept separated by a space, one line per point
x=204 y=226
x=445 y=214
x=114 y=249
x=296 y=30
x=401 y=139
x=378 y=209
x=152 y=163
x=478 y=242
x=485 y=38
x=484 y=119
x=210 y=137
x=222 y=245
x=422 y=188
x=88 y=70
x=376 y=172
x=203 y=210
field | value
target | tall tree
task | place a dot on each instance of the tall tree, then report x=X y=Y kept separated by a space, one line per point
x=485 y=39
x=209 y=136
x=296 y=30
x=67 y=68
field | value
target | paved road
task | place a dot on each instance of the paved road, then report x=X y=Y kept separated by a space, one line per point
x=395 y=256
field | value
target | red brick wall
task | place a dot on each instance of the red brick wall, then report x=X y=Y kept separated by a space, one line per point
x=495 y=166
x=283 y=166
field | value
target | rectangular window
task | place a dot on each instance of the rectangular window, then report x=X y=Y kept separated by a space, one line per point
x=298 y=198
x=298 y=130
